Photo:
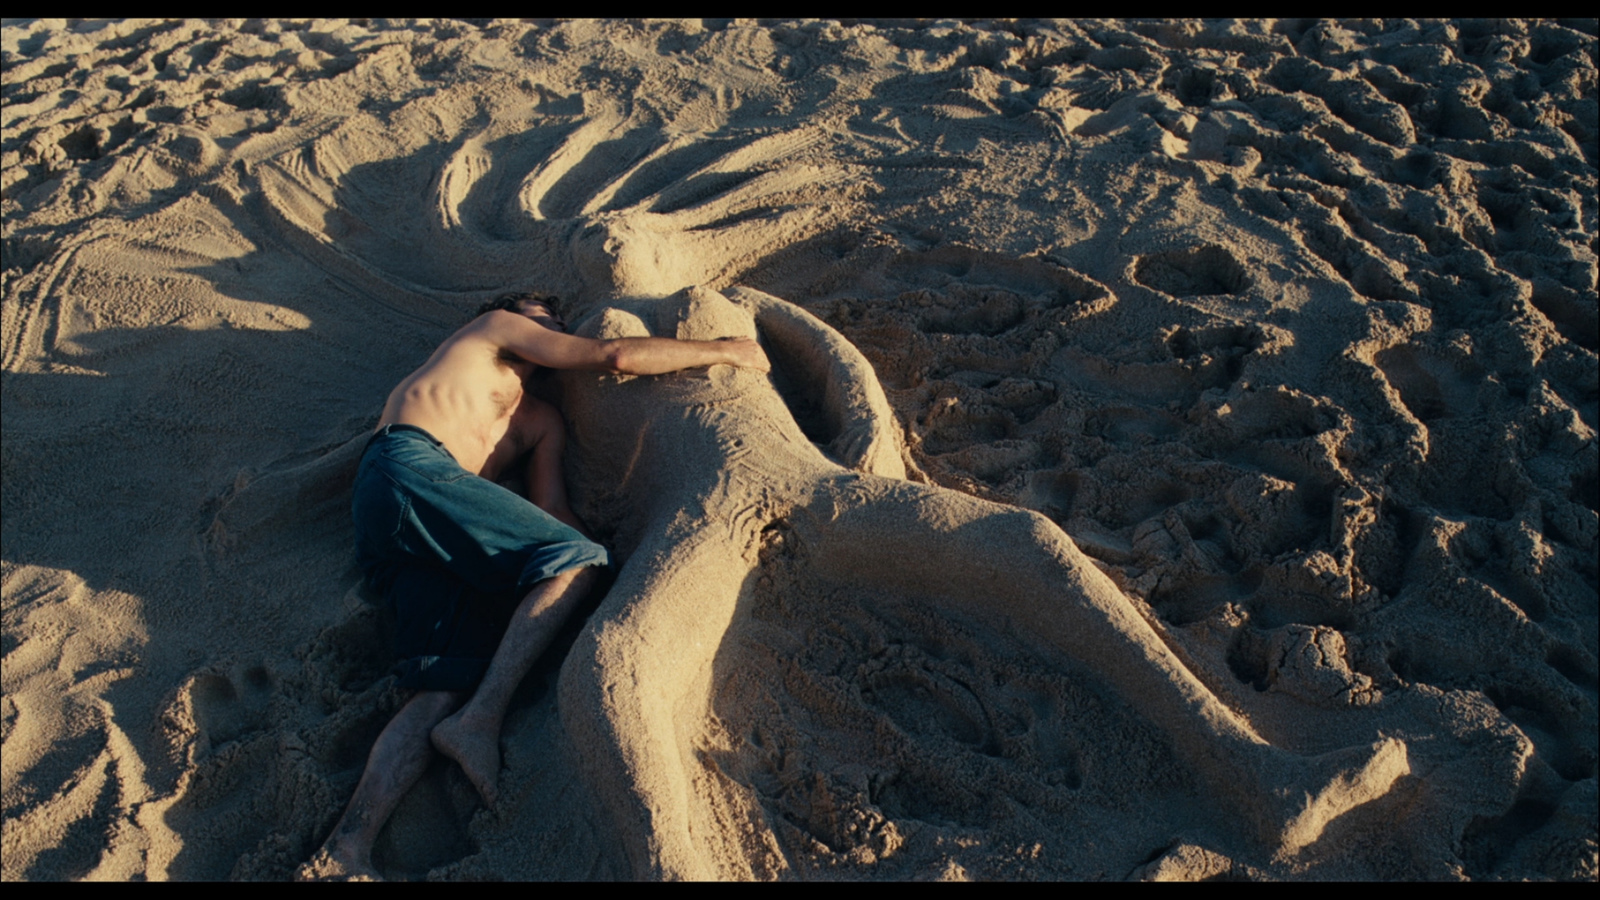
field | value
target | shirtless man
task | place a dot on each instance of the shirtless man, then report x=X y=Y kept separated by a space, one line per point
x=453 y=551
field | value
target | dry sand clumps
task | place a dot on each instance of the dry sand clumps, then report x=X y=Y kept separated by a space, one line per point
x=1284 y=331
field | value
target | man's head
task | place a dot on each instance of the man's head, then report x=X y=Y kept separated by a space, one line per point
x=538 y=307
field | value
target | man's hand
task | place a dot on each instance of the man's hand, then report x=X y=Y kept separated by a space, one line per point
x=746 y=354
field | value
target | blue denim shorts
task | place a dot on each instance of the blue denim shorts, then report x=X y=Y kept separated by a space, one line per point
x=452 y=553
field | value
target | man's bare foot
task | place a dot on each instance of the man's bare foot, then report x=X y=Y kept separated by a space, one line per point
x=476 y=748
x=325 y=866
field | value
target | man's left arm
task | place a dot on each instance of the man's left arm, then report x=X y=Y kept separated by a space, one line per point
x=547 y=487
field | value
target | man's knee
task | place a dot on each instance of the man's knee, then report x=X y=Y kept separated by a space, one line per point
x=581 y=578
x=574 y=582
x=559 y=560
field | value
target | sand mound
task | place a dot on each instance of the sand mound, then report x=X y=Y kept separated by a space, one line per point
x=1290 y=326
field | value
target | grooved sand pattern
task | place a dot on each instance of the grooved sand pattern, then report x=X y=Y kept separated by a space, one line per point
x=1290 y=325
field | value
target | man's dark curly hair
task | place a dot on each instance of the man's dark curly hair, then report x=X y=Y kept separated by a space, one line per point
x=509 y=301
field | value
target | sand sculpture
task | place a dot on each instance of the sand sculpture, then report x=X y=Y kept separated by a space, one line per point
x=701 y=476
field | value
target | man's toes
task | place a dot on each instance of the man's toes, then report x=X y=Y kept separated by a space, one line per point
x=324 y=866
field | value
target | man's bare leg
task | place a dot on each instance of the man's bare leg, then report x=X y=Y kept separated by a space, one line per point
x=398 y=758
x=471 y=737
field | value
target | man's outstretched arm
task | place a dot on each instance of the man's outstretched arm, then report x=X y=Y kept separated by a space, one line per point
x=657 y=356
x=620 y=356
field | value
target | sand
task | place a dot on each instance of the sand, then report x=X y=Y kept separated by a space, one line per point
x=1136 y=382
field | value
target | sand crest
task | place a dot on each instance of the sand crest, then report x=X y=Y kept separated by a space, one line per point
x=1147 y=396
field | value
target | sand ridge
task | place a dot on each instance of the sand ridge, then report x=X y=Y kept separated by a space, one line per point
x=1289 y=325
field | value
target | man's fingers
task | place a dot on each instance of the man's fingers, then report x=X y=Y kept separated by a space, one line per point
x=759 y=358
x=754 y=356
x=747 y=354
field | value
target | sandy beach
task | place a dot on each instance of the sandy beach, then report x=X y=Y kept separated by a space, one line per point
x=1133 y=381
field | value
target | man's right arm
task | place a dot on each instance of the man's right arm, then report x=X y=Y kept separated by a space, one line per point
x=620 y=356
x=657 y=356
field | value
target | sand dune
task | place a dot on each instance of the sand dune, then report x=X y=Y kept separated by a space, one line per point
x=1283 y=333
